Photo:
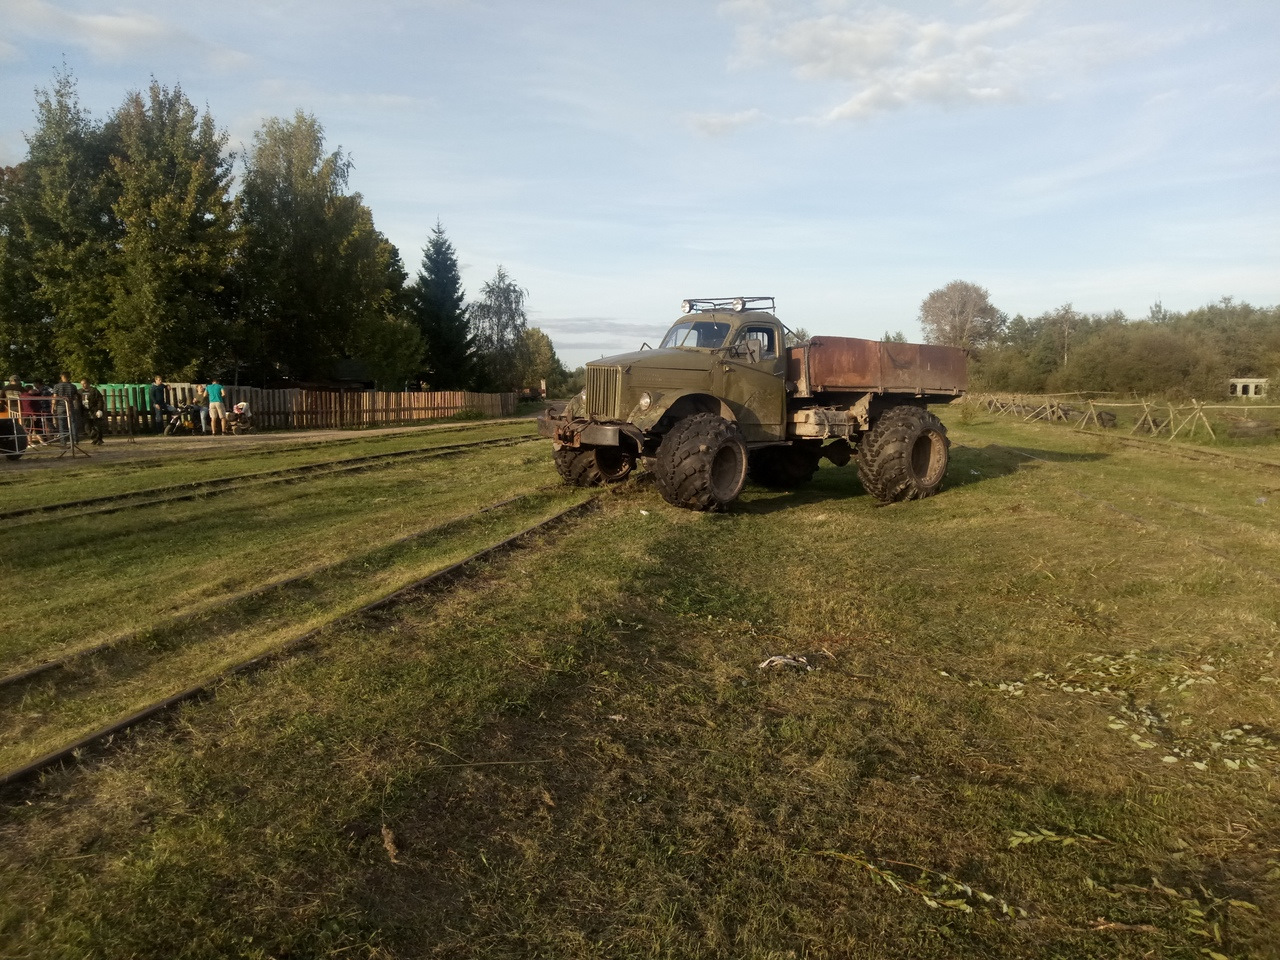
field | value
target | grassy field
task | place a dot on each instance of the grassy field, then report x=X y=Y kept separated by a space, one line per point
x=1036 y=717
x=168 y=461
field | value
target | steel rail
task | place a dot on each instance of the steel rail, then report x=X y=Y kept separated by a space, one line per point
x=39 y=669
x=247 y=444
x=1192 y=453
x=103 y=735
x=194 y=489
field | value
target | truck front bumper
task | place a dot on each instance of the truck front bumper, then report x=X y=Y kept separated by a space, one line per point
x=585 y=433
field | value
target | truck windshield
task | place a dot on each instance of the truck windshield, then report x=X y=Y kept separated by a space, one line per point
x=696 y=333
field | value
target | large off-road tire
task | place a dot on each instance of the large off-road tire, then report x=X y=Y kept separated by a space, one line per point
x=593 y=466
x=904 y=455
x=701 y=463
x=782 y=468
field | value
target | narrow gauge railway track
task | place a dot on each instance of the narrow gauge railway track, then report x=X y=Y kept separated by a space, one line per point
x=28 y=674
x=1182 y=452
x=1197 y=453
x=103 y=736
x=195 y=489
x=284 y=446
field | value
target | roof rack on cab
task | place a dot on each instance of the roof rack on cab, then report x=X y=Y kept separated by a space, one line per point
x=736 y=304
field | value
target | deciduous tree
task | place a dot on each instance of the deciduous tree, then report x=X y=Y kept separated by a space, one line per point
x=310 y=266
x=68 y=229
x=541 y=363
x=499 y=321
x=26 y=327
x=960 y=315
x=174 y=251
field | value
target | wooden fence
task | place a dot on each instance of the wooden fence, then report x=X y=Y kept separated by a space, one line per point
x=1149 y=417
x=129 y=406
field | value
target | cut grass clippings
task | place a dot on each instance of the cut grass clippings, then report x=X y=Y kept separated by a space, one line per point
x=578 y=754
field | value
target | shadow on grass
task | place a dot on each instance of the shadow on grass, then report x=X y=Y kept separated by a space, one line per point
x=973 y=465
x=969 y=466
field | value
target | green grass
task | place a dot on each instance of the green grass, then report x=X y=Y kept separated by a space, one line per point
x=577 y=755
x=164 y=461
x=97 y=576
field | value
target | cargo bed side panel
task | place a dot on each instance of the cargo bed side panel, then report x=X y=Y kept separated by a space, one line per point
x=839 y=364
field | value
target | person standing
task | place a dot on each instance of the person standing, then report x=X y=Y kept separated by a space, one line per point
x=202 y=403
x=217 y=409
x=43 y=408
x=10 y=391
x=66 y=402
x=159 y=402
x=95 y=410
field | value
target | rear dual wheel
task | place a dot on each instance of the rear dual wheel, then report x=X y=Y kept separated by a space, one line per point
x=904 y=455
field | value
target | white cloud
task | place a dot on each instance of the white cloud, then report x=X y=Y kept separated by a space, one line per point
x=108 y=37
x=887 y=59
x=719 y=124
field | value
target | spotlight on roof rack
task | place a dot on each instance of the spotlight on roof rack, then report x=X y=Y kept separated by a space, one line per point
x=736 y=304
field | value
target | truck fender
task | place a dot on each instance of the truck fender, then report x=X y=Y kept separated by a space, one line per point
x=677 y=406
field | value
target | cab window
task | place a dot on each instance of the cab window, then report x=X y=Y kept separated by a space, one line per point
x=696 y=333
x=757 y=343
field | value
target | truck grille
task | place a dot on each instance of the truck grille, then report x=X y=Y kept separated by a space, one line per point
x=604 y=392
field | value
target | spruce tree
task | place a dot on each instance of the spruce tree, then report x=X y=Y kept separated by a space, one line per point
x=438 y=306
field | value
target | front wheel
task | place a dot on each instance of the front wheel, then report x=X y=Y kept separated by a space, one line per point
x=904 y=455
x=701 y=463
x=593 y=466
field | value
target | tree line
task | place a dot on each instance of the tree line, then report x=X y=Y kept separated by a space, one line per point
x=142 y=245
x=1164 y=354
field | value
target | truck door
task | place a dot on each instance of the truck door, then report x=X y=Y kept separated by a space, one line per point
x=754 y=372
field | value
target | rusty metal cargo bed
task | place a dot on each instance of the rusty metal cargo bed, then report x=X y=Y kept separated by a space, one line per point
x=825 y=365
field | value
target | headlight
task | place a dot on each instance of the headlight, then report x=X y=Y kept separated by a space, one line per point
x=646 y=402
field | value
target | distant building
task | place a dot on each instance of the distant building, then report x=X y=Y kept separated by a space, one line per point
x=1251 y=387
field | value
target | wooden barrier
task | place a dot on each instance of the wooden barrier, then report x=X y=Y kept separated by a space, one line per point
x=129 y=410
x=1188 y=416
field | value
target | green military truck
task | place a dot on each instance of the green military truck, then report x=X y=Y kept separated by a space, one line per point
x=724 y=397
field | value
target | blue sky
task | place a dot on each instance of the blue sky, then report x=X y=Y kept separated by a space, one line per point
x=844 y=157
